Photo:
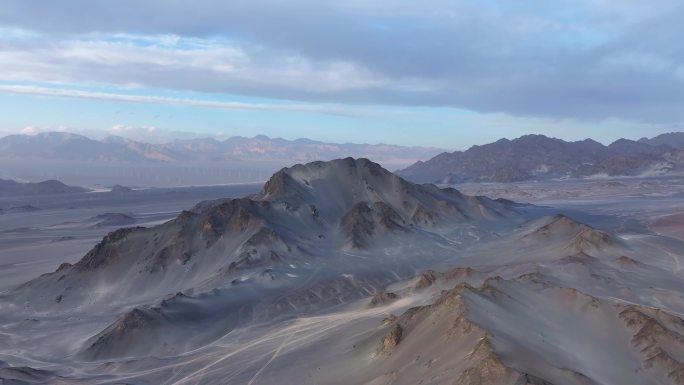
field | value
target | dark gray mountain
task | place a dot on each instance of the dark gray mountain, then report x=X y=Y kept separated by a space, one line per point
x=13 y=188
x=540 y=157
x=294 y=246
x=672 y=139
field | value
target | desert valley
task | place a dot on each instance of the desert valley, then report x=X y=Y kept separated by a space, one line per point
x=343 y=272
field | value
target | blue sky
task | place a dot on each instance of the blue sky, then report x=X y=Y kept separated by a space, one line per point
x=446 y=73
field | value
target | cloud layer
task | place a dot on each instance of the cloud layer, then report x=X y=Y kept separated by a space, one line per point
x=128 y=98
x=583 y=59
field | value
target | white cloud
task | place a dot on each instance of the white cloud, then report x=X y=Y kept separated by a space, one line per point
x=637 y=61
x=147 y=134
x=171 y=62
x=580 y=59
x=29 y=130
x=124 y=130
x=116 y=97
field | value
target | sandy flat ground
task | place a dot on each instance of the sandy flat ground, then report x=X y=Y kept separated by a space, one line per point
x=670 y=225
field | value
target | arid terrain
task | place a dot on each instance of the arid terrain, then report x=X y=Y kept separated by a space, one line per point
x=343 y=273
x=387 y=192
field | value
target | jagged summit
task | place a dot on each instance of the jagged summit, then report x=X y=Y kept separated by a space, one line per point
x=320 y=272
x=337 y=187
x=304 y=212
x=294 y=237
x=341 y=182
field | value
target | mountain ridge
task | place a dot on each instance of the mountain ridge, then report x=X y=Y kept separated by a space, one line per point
x=10 y=187
x=69 y=146
x=532 y=157
x=308 y=223
x=343 y=264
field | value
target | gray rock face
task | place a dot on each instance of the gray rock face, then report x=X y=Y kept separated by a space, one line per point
x=382 y=298
x=341 y=205
x=317 y=280
x=282 y=251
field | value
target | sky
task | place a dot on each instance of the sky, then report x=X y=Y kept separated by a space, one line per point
x=443 y=73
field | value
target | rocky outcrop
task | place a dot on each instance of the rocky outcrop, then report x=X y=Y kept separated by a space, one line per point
x=425 y=279
x=106 y=251
x=114 y=340
x=659 y=339
x=365 y=221
x=382 y=298
x=391 y=339
x=486 y=368
x=455 y=275
x=465 y=350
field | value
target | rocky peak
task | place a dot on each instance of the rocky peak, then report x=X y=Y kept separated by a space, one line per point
x=317 y=177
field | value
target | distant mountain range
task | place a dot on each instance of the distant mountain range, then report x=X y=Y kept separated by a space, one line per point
x=117 y=160
x=13 y=188
x=72 y=147
x=672 y=139
x=539 y=157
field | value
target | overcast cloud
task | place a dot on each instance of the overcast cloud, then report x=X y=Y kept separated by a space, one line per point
x=584 y=59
